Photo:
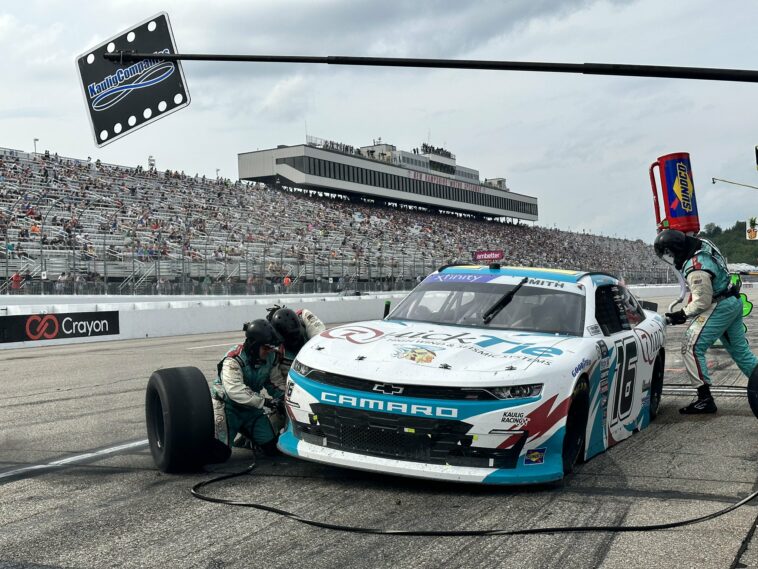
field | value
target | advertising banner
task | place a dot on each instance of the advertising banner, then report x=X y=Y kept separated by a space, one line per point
x=31 y=327
x=124 y=96
x=488 y=255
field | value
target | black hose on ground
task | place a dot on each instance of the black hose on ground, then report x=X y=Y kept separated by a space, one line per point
x=452 y=533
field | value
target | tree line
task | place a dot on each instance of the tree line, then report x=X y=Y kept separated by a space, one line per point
x=732 y=242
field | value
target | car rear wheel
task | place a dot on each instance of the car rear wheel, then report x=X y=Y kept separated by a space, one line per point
x=656 y=387
x=576 y=426
x=179 y=417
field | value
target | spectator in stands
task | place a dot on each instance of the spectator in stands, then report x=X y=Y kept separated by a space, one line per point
x=60 y=284
x=16 y=283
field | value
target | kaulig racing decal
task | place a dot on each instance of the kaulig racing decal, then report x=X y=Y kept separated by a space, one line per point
x=33 y=327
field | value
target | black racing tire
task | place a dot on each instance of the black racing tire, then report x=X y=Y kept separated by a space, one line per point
x=179 y=417
x=656 y=386
x=752 y=391
x=576 y=426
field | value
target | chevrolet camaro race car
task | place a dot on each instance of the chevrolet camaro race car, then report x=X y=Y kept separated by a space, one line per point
x=481 y=374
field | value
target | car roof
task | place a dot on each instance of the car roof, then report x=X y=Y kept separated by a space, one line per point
x=560 y=275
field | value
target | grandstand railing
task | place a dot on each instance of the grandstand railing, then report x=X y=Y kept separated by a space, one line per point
x=266 y=275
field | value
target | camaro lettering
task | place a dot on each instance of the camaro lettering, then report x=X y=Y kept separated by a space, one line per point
x=389 y=406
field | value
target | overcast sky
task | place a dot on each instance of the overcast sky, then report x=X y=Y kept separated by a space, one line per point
x=581 y=144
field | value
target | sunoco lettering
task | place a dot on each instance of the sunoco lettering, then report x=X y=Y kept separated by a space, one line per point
x=390 y=406
x=684 y=184
x=86 y=327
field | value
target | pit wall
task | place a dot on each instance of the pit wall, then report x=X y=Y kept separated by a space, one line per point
x=180 y=317
x=146 y=317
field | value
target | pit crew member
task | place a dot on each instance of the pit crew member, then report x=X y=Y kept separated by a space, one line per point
x=295 y=329
x=715 y=310
x=243 y=391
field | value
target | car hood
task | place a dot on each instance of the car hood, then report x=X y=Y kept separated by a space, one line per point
x=430 y=354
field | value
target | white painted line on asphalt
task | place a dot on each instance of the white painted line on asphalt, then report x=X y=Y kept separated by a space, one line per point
x=230 y=343
x=74 y=459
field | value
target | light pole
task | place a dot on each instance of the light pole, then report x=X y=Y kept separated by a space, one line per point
x=36 y=140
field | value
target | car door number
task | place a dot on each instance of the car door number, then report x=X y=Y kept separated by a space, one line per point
x=626 y=374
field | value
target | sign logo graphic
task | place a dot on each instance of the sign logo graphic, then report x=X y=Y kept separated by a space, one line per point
x=62 y=325
x=388 y=389
x=38 y=327
x=113 y=88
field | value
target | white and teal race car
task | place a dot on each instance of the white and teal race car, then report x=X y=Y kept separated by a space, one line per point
x=498 y=375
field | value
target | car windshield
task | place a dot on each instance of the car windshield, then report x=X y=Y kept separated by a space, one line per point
x=532 y=308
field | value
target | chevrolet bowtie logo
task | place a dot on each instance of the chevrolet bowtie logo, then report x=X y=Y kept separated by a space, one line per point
x=388 y=389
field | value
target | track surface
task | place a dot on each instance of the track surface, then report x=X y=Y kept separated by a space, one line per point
x=114 y=509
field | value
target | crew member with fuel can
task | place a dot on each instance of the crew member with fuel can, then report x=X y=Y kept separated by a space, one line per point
x=715 y=312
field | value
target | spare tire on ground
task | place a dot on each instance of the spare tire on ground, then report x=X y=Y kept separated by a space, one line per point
x=179 y=416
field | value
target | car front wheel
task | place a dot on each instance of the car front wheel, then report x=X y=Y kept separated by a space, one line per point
x=576 y=426
x=179 y=417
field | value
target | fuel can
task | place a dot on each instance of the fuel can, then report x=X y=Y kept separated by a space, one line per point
x=677 y=192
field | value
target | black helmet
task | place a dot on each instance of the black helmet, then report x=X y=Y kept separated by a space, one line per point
x=289 y=326
x=675 y=247
x=259 y=333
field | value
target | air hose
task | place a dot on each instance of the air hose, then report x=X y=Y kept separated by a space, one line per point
x=452 y=533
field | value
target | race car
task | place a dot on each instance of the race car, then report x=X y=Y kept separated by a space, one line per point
x=485 y=374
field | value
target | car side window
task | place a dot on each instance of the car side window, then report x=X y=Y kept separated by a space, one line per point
x=607 y=310
x=632 y=309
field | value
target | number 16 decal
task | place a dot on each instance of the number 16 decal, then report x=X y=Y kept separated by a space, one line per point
x=626 y=373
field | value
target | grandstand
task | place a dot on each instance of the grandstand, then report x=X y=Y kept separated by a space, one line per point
x=124 y=230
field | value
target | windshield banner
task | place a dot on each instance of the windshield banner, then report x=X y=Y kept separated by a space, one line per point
x=488 y=255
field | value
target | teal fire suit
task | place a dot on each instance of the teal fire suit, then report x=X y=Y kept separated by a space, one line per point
x=239 y=393
x=715 y=315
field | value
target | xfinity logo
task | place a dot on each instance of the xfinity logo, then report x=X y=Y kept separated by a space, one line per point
x=388 y=389
x=389 y=406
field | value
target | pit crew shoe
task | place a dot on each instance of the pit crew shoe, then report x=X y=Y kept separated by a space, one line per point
x=241 y=441
x=700 y=406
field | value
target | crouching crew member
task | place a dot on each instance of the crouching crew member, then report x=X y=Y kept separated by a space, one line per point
x=295 y=329
x=716 y=313
x=243 y=395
